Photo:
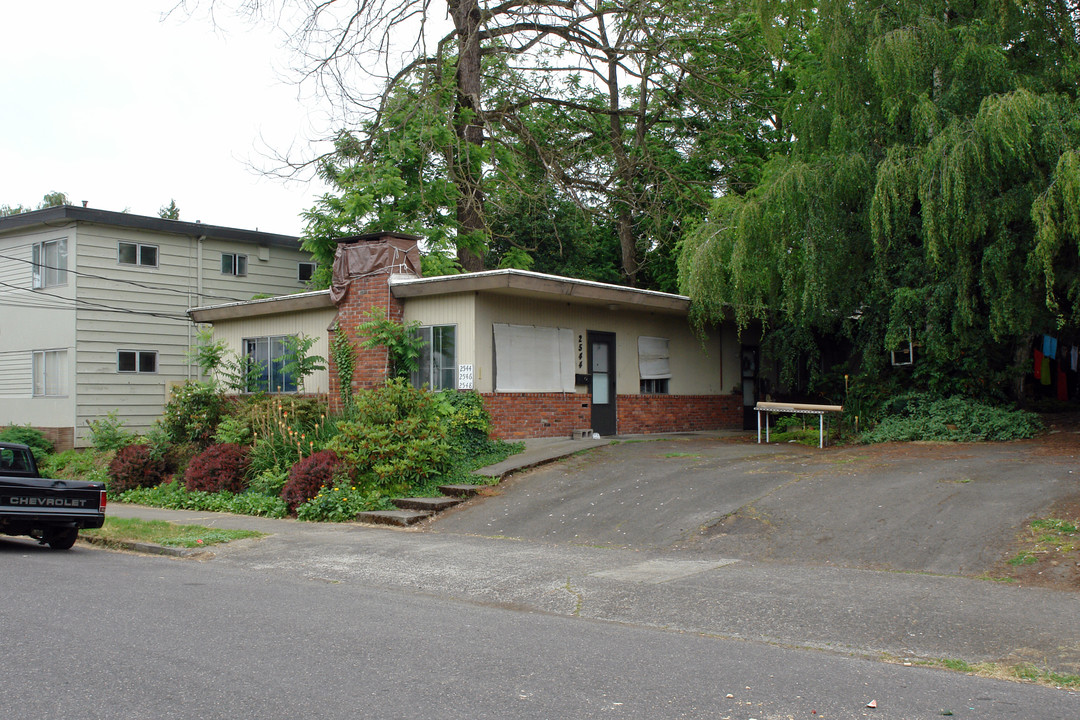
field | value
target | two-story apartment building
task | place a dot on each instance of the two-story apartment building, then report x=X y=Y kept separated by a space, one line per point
x=92 y=309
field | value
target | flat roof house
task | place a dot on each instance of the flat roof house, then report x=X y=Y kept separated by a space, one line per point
x=94 y=309
x=550 y=355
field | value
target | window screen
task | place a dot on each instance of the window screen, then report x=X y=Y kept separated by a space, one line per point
x=530 y=358
x=653 y=358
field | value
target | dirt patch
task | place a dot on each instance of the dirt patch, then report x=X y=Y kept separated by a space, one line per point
x=1039 y=563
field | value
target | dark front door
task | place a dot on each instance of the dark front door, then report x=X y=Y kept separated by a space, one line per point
x=602 y=381
x=749 y=385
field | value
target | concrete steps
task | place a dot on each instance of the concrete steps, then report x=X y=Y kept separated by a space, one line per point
x=461 y=491
x=414 y=509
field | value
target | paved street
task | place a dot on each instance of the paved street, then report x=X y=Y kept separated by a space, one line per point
x=98 y=634
x=684 y=589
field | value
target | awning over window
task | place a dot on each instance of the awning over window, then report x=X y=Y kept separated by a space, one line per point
x=533 y=359
x=653 y=358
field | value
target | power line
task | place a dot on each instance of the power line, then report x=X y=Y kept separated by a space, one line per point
x=144 y=286
x=89 y=305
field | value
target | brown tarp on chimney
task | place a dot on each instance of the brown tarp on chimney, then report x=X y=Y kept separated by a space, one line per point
x=384 y=254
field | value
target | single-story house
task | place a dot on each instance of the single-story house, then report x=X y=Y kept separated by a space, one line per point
x=551 y=356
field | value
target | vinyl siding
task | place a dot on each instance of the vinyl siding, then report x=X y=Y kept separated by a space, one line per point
x=145 y=309
x=34 y=320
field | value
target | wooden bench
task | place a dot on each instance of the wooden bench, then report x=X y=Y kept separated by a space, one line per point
x=798 y=409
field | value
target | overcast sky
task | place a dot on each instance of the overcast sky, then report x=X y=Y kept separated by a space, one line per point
x=111 y=104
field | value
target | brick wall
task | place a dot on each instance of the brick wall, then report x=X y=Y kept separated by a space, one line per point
x=62 y=438
x=678 y=413
x=363 y=294
x=532 y=415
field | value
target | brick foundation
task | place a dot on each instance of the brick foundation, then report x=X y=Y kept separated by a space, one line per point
x=678 y=413
x=515 y=416
x=62 y=438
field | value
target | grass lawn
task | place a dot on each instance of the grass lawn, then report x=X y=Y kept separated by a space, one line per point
x=158 y=532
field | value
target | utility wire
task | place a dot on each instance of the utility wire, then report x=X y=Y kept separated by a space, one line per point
x=145 y=286
x=99 y=306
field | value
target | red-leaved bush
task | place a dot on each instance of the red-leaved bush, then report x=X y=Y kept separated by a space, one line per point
x=307 y=476
x=218 y=467
x=133 y=467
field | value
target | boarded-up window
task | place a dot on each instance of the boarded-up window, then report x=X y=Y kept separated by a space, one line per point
x=533 y=359
x=653 y=358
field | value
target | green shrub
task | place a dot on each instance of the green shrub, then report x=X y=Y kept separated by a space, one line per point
x=466 y=411
x=396 y=436
x=91 y=465
x=234 y=430
x=342 y=504
x=108 y=433
x=918 y=416
x=217 y=468
x=268 y=482
x=134 y=466
x=193 y=413
x=39 y=445
x=175 y=496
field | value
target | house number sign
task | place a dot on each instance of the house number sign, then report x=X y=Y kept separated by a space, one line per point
x=580 y=353
x=464 y=377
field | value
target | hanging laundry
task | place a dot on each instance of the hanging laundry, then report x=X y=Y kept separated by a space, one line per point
x=1038 y=365
x=1049 y=346
x=1062 y=385
x=1044 y=376
x=1075 y=355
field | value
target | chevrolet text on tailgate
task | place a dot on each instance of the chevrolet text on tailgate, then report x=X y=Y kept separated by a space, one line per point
x=51 y=511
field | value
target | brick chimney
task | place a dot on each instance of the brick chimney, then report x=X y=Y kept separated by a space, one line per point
x=363 y=266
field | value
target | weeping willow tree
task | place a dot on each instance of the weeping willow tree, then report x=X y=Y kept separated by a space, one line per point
x=932 y=191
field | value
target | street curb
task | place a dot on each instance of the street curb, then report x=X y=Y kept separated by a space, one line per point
x=148 y=548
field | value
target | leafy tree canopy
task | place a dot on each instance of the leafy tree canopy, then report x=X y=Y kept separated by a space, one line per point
x=932 y=187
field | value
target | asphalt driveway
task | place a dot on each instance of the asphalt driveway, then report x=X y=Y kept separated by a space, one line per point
x=938 y=508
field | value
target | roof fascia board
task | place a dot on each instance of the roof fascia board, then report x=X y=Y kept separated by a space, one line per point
x=265 y=306
x=569 y=289
x=71 y=213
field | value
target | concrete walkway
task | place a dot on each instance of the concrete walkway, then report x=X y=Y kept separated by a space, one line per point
x=539 y=451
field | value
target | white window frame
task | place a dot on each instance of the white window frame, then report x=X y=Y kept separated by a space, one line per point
x=237 y=264
x=46 y=383
x=288 y=384
x=46 y=275
x=654 y=365
x=436 y=369
x=138 y=357
x=311 y=273
x=139 y=247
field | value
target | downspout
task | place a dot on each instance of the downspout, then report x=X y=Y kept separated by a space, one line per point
x=198 y=293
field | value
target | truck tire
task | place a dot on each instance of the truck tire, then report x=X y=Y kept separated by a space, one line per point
x=62 y=539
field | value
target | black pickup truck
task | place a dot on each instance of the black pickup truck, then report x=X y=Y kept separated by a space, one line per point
x=51 y=511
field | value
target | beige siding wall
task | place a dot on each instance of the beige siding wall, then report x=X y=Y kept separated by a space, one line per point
x=145 y=311
x=34 y=320
x=695 y=371
x=458 y=310
x=312 y=323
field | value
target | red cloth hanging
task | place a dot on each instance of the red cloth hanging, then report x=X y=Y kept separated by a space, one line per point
x=1038 y=364
x=1062 y=385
